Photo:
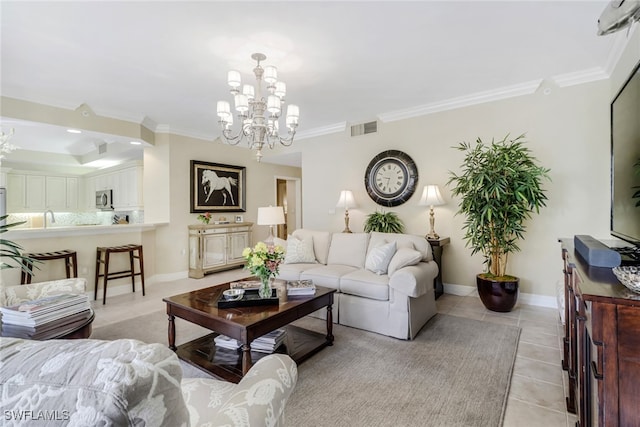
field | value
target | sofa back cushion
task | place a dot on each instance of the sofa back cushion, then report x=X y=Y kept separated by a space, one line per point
x=321 y=242
x=419 y=243
x=92 y=382
x=348 y=249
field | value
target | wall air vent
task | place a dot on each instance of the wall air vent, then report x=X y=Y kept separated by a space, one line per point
x=102 y=148
x=364 y=128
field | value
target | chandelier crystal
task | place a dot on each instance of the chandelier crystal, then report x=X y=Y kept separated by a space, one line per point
x=5 y=146
x=258 y=117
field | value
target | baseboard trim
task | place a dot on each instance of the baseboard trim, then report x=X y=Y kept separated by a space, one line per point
x=524 y=298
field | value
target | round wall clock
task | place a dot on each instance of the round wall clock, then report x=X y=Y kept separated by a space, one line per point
x=391 y=178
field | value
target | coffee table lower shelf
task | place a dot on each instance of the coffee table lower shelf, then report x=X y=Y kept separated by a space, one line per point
x=299 y=344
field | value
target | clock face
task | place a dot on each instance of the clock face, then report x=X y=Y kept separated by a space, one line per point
x=391 y=178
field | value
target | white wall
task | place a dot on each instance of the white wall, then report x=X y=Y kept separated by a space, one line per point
x=568 y=131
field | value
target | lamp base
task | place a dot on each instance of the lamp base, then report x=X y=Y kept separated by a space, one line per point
x=432 y=236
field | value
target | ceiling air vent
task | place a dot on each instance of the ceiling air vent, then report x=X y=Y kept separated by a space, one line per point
x=364 y=128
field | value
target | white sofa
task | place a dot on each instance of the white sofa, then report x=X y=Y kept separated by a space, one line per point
x=397 y=303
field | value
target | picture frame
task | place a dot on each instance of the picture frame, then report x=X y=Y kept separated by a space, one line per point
x=217 y=187
x=239 y=218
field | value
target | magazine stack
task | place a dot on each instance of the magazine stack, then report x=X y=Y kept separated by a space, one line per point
x=46 y=318
x=265 y=344
x=300 y=287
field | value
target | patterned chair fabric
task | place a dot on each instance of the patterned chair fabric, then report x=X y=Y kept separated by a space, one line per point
x=130 y=383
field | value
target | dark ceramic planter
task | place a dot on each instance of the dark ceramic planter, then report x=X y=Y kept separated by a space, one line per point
x=500 y=296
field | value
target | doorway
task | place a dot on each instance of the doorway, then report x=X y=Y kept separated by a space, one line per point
x=288 y=196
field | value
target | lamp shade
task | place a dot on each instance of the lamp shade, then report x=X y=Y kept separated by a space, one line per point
x=271 y=215
x=346 y=200
x=431 y=196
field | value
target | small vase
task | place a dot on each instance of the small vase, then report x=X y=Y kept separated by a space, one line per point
x=265 y=287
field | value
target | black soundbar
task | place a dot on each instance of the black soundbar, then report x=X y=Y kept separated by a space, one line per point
x=595 y=252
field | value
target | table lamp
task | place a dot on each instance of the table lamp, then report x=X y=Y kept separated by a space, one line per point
x=271 y=216
x=431 y=197
x=346 y=201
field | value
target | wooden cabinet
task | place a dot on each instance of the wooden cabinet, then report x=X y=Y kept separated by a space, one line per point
x=217 y=247
x=437 y=245
x=601 y=351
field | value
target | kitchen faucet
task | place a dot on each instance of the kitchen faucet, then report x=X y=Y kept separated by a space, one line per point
x=53 y=218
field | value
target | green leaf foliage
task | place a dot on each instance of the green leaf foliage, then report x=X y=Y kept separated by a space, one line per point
x=499 y=186
x=383 y=222
x=10 y=252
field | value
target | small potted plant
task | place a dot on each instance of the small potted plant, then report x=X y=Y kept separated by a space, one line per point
x=500 y=186
x=205 y=218
x=383 y=222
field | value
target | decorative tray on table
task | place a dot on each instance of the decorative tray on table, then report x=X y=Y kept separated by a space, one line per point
x=249 y=298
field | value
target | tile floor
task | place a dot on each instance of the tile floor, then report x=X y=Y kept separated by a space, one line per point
x=536 y=397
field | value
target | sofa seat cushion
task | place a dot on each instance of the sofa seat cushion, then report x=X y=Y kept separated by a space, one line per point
x=90 y=382
x=366 y=284
x=293 y=271
x=327 y=275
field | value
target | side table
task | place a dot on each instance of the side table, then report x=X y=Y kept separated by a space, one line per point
x=437 y=246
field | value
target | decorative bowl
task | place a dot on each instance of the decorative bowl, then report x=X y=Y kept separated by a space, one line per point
x=233 y=294
x=629 y=276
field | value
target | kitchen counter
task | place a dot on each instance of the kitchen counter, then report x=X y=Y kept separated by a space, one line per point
x=75 y=230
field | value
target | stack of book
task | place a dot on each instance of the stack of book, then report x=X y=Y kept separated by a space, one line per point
x=265 y=344
x=300 y=287
x=47 y=317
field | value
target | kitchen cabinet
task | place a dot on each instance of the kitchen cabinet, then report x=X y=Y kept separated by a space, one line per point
x=217 y=247
x=34 y=193
x=126 y=184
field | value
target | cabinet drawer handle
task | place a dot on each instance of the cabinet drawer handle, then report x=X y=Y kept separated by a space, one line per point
x=598 y=343
x=583 y=318
x=596 y=374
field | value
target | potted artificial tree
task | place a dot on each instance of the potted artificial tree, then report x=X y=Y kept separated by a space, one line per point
x=10 y=250
x=500 y=185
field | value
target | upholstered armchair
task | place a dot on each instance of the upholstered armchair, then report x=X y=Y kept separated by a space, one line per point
x=127 y=382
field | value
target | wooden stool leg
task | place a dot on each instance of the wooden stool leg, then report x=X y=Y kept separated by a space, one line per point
x=133 y=277
x=141 y=262
x=106 y=276
x=95 y=291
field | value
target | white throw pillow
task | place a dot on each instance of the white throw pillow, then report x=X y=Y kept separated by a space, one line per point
x=299 y=251
x=402 y=258
x=379 y=257
x=280 y=242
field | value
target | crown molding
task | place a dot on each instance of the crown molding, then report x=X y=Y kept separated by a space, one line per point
x=580 y=77
x=324 y=130
x=526 y=88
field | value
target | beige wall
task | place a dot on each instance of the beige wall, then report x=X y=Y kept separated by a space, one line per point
x=171 y=239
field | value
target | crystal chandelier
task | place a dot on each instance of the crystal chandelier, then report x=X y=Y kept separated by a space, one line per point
x=259 y=117
x=5 y=147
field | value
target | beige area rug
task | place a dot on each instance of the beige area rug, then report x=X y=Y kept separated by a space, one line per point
x=456 y=372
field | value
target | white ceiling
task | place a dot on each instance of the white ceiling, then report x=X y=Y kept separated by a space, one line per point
x=343 y=62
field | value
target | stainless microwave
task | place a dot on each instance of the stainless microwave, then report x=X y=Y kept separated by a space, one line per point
x=104 y=200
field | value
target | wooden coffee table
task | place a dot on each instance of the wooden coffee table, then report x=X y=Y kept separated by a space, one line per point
x=245 y=324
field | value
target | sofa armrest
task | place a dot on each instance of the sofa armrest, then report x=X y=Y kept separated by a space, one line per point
x=414 y=280
x=257 y=400
x=11 y=295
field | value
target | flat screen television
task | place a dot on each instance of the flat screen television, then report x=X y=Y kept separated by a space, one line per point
x=625 y=161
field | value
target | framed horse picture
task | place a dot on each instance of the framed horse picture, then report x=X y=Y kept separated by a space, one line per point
x=217 y=188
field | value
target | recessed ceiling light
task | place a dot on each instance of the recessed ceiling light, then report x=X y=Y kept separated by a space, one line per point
x=135 y=142
x=74 y=131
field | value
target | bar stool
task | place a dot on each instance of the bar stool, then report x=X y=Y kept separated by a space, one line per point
x=135 y=251
x=69 y=257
